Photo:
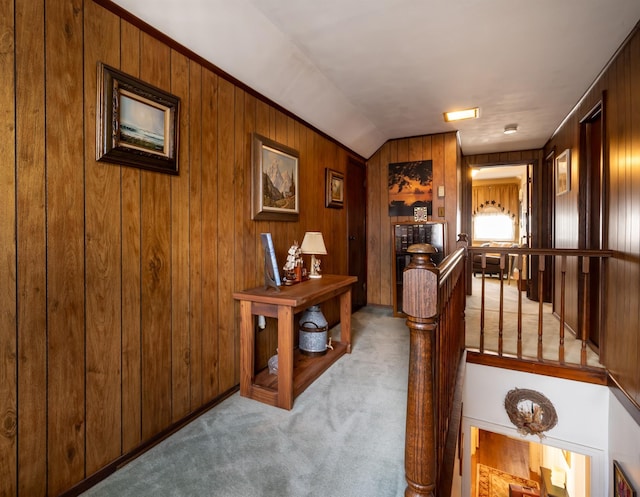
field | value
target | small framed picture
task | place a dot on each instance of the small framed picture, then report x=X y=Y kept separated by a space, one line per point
x=334 y=185
x=137 y=124
x=621 y=485
x=563 y=172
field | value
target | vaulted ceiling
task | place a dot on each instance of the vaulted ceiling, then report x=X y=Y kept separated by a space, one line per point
x=365 y=71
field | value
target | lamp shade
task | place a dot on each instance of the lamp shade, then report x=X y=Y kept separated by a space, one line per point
x=313 y=243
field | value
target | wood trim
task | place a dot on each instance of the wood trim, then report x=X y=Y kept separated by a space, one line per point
x=548 y=368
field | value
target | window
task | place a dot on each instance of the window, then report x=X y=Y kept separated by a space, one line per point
x=493 y=227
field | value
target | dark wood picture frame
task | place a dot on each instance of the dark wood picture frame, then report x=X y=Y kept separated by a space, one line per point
x=334 y=189
x=563 y=172
x=275 y=184
x=137 y=124
x=621 y=485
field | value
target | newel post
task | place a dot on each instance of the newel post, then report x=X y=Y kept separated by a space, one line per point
x=420 y=304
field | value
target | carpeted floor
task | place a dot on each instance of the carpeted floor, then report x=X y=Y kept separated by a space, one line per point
x=344 y=436
x=491 y=482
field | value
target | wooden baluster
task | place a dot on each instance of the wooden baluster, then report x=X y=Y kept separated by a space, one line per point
x=483 y=264
x=563 y=275
x=585 y=311
x=519 y=268
x=501 y=305
x=420 y=304
x=541 y=261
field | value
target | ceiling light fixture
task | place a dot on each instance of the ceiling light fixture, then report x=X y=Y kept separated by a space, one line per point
x=462 y=114
x=510 y=129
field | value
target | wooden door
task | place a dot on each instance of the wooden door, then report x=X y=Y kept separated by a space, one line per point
x=356 y=197
x=591 y=232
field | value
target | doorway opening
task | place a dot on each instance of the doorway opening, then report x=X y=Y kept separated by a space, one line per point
x=505 y=466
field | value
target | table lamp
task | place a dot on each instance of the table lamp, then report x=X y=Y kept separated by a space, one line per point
x=313 y=244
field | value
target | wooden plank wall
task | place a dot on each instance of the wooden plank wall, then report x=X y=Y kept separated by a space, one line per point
x=444 y=151
x=620 y=85
x=117 y=311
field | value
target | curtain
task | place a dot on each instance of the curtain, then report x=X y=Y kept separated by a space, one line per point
x=502 y=196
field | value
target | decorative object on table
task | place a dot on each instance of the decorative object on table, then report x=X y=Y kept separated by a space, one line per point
x=313 y=244
x=531 y=412
x=271 y=270
x=293 y=265
x=621 y=485
x=563 y=172
x=137 y=124
x=334 y=189
x=272 y=363
x=410 y=185
x=312 y=339
x=420 y=214
x=274 y=186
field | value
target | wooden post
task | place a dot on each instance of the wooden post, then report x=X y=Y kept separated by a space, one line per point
x=420 y=304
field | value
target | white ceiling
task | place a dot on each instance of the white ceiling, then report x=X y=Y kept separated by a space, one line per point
x=365 y=71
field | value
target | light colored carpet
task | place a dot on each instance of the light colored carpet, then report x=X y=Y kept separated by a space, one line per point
x=530 y=308
x=491 y=482
x=344 y=436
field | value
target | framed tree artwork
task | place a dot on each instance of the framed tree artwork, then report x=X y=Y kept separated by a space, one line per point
x=410 y=185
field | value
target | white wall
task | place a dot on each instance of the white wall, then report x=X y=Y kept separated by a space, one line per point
x=582 y=409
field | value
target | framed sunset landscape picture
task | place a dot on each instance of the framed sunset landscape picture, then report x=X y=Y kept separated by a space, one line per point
x=410 y=185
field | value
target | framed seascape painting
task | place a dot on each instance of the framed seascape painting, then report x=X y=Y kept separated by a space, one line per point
x=137 y=124
x=410 y=185
x=275 y=184
x=334 y=189
x=621 y=485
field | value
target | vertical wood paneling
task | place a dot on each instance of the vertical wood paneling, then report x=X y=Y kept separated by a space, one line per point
x=65 y=244
x=195 y=233
x=210 y=291
x=620 y=344
x=131 y=228
x=442 y=149
x=124 y=276
x=102 y=260
x=226 y=256
x=8 y=311
x=242 y=251
x=156 y=266
x=633 y=386
x=31 y=242
x=451 y=195
x=180 y=360
x=373 y=229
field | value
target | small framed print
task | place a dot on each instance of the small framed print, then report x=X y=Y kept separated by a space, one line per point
x=563 y=172
x=334 y=186
x=621 y=485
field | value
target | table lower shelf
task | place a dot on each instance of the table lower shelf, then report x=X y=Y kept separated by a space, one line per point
x=305 y=370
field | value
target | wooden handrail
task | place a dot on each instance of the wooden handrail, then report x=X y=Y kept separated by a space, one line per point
x=433 y=300
x=583 y=258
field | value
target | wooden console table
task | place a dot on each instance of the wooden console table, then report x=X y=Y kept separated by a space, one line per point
x=295 y=371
